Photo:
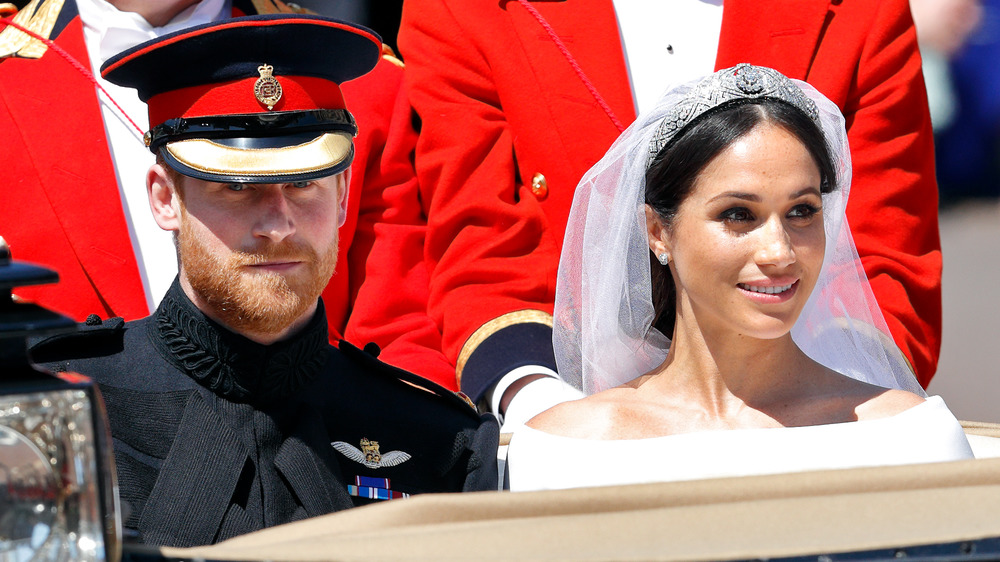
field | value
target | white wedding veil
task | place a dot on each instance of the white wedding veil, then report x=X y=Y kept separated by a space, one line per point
x=603 y=334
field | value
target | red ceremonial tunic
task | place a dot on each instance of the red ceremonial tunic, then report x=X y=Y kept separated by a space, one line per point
x=501 y=108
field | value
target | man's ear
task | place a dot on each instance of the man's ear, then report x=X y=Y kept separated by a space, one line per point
x=656 y=233
x=343 y=182
x=164 y=200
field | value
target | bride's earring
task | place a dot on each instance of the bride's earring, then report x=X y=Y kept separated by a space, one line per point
x=664 y=258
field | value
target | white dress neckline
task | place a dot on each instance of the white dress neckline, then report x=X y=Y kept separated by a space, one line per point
x=927 y=432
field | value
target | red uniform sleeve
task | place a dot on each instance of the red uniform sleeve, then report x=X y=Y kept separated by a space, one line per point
x=492 y=256
x=893 y=207
x=388 y=276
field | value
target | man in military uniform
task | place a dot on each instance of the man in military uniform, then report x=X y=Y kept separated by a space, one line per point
x=72 y=145
x=229 y=410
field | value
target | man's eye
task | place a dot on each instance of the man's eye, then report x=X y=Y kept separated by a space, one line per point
x=235 y=186
x=737 y=214
x=300 y=184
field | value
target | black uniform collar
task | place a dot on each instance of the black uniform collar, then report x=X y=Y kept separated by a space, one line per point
x=230 y=365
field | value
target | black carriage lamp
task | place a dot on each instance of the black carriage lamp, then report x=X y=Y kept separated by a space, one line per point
x=58 y=497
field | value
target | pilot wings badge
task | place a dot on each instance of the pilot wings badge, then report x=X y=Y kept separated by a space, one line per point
x=369 y=454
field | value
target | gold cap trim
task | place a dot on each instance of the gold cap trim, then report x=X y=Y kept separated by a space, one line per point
x=203 y=155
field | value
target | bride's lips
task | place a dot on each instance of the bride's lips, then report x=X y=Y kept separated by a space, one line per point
x=770 y=290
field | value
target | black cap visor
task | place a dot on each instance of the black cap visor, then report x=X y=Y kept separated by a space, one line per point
x=265 y=148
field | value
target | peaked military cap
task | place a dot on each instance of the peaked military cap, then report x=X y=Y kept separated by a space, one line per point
x=253 y=99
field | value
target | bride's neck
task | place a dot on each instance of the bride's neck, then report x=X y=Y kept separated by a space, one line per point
x=722 y=368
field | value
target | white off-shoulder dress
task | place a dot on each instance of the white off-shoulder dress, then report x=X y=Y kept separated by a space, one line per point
x=924 y=433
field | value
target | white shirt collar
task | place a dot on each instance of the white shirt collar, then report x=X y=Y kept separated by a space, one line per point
x=115 y=30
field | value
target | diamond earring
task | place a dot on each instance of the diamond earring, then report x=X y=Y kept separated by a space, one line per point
x=664 y=258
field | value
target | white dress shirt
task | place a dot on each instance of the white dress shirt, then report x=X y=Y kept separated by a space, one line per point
x=108 y=31
x=667 y=43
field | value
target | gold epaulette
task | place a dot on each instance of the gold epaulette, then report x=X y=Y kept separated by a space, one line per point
x=40 y=17
x=390 y=55
x=279 y=7
x=299 y=9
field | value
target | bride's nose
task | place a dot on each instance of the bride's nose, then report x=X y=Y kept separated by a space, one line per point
x=774 y=244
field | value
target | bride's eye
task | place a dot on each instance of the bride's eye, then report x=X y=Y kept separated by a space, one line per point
x=737 y=214
x=804 y=211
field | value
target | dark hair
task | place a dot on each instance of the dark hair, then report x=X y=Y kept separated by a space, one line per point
x=672 y=174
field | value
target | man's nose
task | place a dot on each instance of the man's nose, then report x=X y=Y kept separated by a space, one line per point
x=275 y=220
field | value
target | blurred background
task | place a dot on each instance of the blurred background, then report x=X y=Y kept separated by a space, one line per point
x=960 y=44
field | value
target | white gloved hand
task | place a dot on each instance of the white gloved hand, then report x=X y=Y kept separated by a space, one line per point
x=534 y=398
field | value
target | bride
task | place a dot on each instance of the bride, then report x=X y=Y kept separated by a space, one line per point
x=718 y=219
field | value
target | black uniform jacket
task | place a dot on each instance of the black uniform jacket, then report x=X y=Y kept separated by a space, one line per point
x=216 y=436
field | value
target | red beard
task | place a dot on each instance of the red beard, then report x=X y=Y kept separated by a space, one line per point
x=259 y=302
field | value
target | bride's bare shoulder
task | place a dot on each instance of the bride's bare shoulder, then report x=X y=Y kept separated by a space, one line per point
x=586 y=418
x=858 y=400
x=887 y=403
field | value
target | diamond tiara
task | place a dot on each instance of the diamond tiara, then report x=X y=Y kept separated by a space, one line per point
x=743 y=81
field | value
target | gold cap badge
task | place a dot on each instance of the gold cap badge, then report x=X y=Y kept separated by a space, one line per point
x=266 y=88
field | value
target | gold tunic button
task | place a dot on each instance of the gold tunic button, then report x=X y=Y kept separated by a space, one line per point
x=539 y=187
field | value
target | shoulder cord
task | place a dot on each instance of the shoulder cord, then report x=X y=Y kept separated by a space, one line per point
x=75 y=63
x=572 y=62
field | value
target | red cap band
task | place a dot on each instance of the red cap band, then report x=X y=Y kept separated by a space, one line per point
x=237 y=97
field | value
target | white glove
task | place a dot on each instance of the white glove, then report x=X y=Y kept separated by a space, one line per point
x=534 y=398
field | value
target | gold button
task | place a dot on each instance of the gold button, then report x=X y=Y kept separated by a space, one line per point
x=539 y=187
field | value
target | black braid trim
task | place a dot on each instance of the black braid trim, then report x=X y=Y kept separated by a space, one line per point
x=231 y=365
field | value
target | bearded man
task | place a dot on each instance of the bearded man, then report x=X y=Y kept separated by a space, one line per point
x=229 y=409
